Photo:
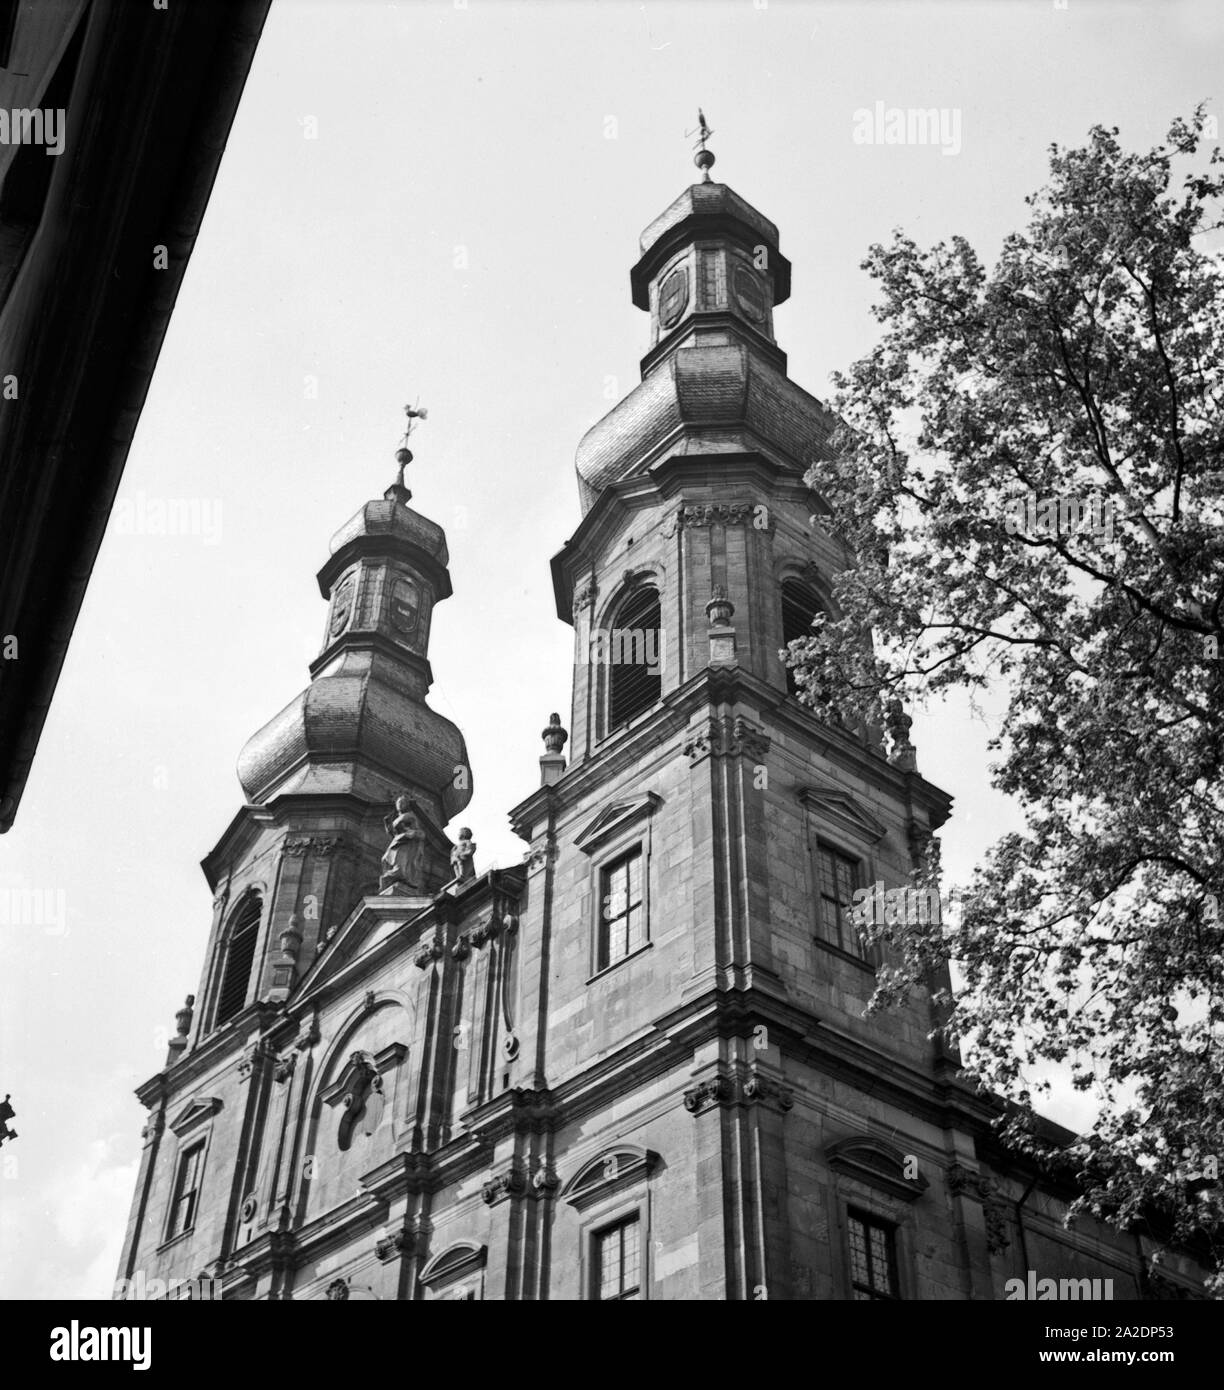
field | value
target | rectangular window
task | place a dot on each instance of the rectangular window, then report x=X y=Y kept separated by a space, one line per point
x=713 y=281
x=873 y=1258
x=618 y=1261
x=839 y=878
x=186 y=1191
x=622 y=927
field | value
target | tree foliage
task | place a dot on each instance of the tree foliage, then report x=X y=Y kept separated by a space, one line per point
x=1086 y=366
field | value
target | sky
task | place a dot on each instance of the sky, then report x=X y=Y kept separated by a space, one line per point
x=440 y=203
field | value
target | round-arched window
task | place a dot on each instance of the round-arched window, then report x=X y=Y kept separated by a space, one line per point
x=800 y=605
x=239 y=959
x=631 y=649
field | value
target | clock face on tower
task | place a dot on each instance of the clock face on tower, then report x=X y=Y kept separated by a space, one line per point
x=673 y=297
x=342 y=607
x=405 y=605
x=749 y=293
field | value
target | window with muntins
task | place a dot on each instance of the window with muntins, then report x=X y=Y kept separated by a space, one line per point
x=239 y=958
x=622 y=926
x=631 y=650
x=839 y=878
x=618 y=1261
x=186 y=1191
x=873 y=1258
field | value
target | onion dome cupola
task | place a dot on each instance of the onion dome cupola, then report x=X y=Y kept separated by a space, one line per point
x=710 y=275
x=362 y=726
x=710 y=270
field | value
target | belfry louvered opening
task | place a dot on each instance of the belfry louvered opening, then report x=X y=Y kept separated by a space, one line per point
x=239 y=958
x=632 y=651
x=800 y=604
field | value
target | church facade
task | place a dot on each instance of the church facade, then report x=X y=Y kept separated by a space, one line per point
x=636 y=1065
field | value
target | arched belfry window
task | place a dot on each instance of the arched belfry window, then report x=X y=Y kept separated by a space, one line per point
x=631 y=649
x=800 y=604
x=239 y=958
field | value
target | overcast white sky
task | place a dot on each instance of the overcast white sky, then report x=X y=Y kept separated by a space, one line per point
x=485 y=128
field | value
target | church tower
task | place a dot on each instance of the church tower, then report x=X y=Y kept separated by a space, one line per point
x=636 y=1065
x=319 y=777
x=699 y=852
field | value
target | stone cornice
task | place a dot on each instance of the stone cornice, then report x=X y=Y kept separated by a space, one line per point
x=533 y=810
x=516 y=1111
x=738 y=1086
x=403 y=1172
x=222 y=1048
x=654 y=1052
x=444 y=908
x=841 y=747
x=729 y=222
x=244 y=830
x=387 y=545
x=759 y=707
x=762 y=467
x=729 y=736
x=361 y=641
x=616 y=755
x=334 y=1229
x=270 y=1250
x=701 y=321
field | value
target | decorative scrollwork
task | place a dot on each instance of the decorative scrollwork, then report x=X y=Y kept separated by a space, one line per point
x=397 y=1243
x=511 y=1183
x=427 y=954
x=713 y=1091
x=717 y=514
x=764 y=1088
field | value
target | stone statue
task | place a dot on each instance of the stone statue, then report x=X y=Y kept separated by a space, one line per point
x=898 y=723
x=404 y=859
x=182 y=1019
x=463 y=856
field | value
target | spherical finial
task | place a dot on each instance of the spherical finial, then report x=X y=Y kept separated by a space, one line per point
x=398 y=491
x=703 y=159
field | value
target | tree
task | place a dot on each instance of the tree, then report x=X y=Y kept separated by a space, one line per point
x=1030 y=475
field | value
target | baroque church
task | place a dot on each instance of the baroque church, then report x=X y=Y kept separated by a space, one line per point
x=634 y=1066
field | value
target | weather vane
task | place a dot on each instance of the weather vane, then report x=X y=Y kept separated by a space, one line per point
x=414 y=413
x=403 y=455
x=704 y=158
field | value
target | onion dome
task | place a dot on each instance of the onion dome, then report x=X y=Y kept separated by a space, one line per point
x=710 y=274
x=362 y=727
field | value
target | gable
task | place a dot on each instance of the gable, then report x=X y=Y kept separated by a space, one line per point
x=195 y=1112
x=877 y=1164
x=370 y=922
x=454 y=1263
x=837 y=808
x=614 y=818
x=622 y=1166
